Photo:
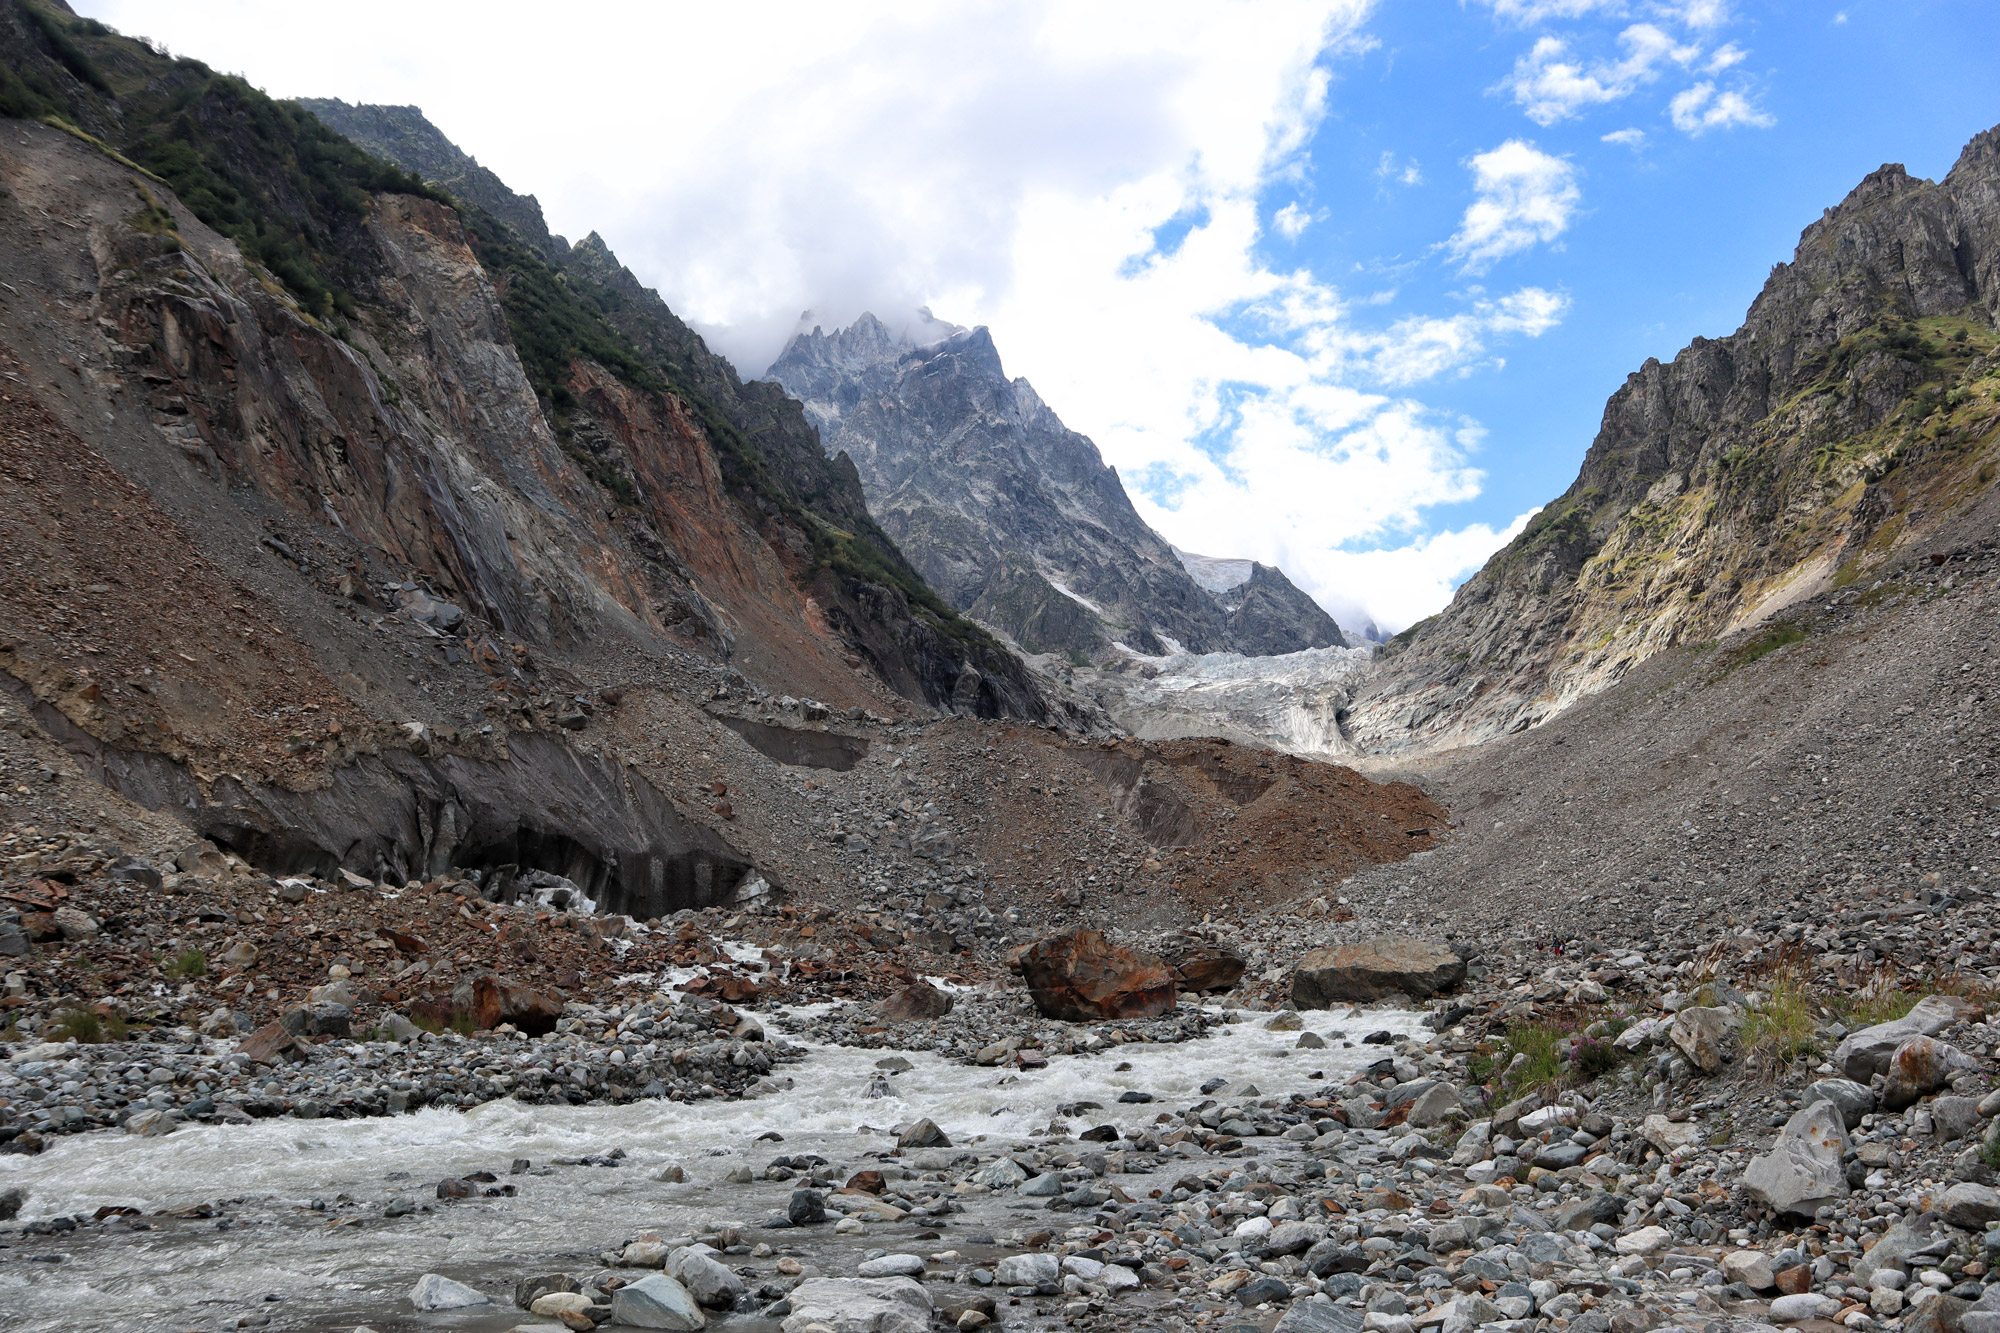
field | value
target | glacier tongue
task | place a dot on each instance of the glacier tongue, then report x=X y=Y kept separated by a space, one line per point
x=1290 y=702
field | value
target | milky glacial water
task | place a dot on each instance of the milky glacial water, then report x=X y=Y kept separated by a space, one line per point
x=346 y=1264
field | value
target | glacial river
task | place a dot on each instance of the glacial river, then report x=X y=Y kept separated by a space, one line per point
x=274 y=1254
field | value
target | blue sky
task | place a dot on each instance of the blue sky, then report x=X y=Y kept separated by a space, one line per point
x=1671 y=239
x=1339 y=285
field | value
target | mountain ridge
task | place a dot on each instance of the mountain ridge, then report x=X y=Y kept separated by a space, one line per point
x=1013 y=516
x=1849 y=416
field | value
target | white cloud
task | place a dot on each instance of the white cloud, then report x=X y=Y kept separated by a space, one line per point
x=1626 y=138
x=1006 y=164
x=1724 y=56
x=1292 y=221
x=1390 y=169
x=1398 y=587
x=1528 y=12
x=1550 y=85
x=1523 y=197
x=1698 y=13
x=1701 y=108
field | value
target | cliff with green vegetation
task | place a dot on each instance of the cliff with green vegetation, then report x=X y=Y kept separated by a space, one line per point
x=1853 y=413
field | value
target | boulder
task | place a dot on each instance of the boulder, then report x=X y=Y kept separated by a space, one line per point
x=1206 y=967
x=1667 y=1135
x=1955 y=1118
x=1899 y=1245
x=923 y=1134
x=1027 y=1270
x=1080 y=976
x=1291 y=1238
x=1319 y=1317
x=1371 y=969
x=915 y=1003
x=656 y=1301
x=707 y=1279
x=437 y=1292
x=1805 y=1305
x=1864 y=1054
x=1702 y=1035
x=1803 y=1170
x=1646 y=1240
x=270 y=1044
x=1920 y=1066
x=860 y=1305
x=1854 y=1099
x=1750 y=1267
x=492 y=999
x=1968 y=1206
x=1435 y=1105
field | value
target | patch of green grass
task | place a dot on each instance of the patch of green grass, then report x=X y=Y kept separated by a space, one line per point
x=191 y=964
x=1543 y=1066
x=82 y=1025
x=1772 y=639
x=1989 y=1151
x=1785 y=1027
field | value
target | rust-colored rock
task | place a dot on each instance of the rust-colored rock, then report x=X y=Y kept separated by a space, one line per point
x=915 y=1003
x=1920 y=1065
x=269 y=1044
x=491 y=999
x=1080 y=976
x=1792 y=1281
x=866 y=1182
x=1207 y=967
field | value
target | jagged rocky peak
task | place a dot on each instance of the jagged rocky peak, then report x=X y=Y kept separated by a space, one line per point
x=1267 y=613
x=1847 y=420
x=1014 y=517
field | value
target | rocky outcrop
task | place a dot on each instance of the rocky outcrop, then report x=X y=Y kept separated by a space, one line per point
x=1846 y=419
x=1080 y=976
x=1011 y=515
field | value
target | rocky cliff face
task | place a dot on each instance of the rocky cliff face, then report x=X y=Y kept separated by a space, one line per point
x=1010 y=514
x=1851 y=414
x=316 y=478
x=759 y=447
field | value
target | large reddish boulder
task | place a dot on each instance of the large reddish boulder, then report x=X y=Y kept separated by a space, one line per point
x=490 y=1000
x=914 y=1003
x=1080 y=976
x=1206 y=967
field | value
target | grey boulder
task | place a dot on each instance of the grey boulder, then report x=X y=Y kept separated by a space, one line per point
x=1854 y=1099
x=437 y=1292
x=707 y=1279
x=656 y=1301
x=860 y=1305
x=1864 y=1054
x=1802 y=1172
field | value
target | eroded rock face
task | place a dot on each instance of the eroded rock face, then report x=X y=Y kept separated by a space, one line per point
x=1372 y=969
x=1081 y=976
x=1803 y=1169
